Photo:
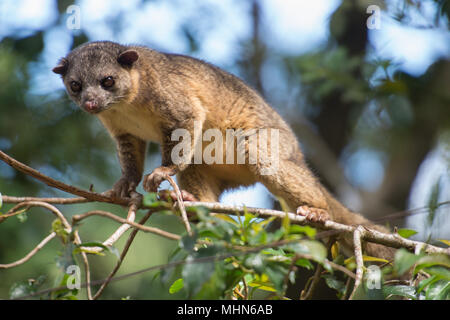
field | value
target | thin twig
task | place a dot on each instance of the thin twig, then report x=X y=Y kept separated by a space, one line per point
x=122 y=257
x=397 y=282
x=180 y=204
x=67 y=226
x=10 y=199
x=30 y=254
x=111 y=216
x=348 y=285
x=87 y=269
x=117 y=234
x=340 y=268
x=93 y=196
x=307 y=293
x=245 y=288
x=15 y=210
x=357 y=235
x=237 y=292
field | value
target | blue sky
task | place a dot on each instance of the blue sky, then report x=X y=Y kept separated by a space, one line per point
x=292 y=26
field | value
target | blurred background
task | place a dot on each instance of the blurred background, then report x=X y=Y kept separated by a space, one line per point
x=367 y=92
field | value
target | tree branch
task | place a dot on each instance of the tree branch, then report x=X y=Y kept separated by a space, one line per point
x=58 y=184
x=122 y=257
x=370 y=235
x=30 y=254
x=111 y=216
x=357 y=235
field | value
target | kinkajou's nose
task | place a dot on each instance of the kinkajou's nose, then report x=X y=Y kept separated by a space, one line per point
x=91 y=105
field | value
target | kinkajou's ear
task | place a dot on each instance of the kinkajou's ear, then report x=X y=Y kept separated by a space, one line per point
x=127 y=58
x=61 y=68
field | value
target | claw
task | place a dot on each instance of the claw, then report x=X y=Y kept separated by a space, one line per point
x=154 y=179
x=313 y=214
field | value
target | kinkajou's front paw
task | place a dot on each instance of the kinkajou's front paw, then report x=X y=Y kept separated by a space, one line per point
x=154 y=179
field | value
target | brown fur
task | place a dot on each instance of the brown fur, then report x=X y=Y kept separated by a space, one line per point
x=161 y=92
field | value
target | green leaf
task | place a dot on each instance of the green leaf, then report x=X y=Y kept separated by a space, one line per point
x=426 y=282
x=258 y=238
x=266 y=286
x=196 y=274
x=432 y=260
x=439 y=290
x=248 y=218
x=201 y=211
x=276 y=273
x=187 y=242
x=275 y=236
x=27 y=287
x=335 y=250
x=226 y=218
x=93 y=244
x=150 y=200
x=176 y=286
x=58 y=228
x=20 y=289
x=84 y=248
x=404 y=260
x=65 y=293
x=307 y=230
x=365 y=259
x=215 y=286
x=314 y=248
x=406 y=233
x=400 y=290
x=22 y=216
x=167 y=274
x=256 y=262
x=447 y=242
x=374 y=259
x=334 y=283
x=441 y=272
x=305 y=263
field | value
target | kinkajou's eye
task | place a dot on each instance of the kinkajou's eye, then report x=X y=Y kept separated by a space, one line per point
x=75 y=86
x=107 y=82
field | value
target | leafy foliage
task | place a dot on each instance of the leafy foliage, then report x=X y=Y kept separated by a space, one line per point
x=229 y=255
x=240 y=257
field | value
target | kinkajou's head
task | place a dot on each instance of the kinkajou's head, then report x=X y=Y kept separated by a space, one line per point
x=97 y=75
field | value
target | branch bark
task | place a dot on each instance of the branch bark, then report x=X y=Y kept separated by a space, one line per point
x=58 y=184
